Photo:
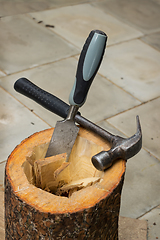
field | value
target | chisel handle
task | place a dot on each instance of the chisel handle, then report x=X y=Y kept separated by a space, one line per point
x=45 y=99
x=88 y=65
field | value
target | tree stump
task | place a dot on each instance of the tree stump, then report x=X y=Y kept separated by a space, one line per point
x=53 y=199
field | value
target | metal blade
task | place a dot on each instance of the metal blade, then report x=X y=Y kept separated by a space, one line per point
x=63 y=138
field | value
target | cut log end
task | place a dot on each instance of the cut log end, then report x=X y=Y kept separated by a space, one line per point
x=73 y=193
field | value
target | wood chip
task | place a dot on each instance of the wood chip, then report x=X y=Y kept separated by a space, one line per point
x=81 y=183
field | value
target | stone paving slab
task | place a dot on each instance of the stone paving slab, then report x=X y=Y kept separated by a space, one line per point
x=131 y=229
x=74 y=23
x=134 y=66
x=141 y=14
x=130 y=234
x=153 y=40
x=10 y=7
x=2 y=170
x=141 y=185
x=153 y=220
x=110 y=128
x=58 y=79
x=2 y=74
x=16 y=124
x=25 y=44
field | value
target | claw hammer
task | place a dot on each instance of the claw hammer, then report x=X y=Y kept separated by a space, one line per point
x=124 y=148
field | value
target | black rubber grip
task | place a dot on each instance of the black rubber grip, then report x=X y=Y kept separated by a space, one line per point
x=45 y=99
x=91 y=55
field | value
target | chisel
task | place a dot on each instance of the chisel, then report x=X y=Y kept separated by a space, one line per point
x=65 y=132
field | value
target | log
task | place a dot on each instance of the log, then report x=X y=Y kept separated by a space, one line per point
x=73 y=201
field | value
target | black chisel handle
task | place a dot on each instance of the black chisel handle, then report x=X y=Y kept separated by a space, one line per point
x=45 y=99
x=88 y=65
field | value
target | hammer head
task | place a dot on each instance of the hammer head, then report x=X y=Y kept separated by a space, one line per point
x=102 y=160
x=123 y=148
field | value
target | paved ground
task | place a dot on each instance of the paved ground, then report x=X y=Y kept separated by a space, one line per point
x=128 y=82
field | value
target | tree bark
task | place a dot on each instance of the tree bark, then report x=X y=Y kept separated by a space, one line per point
x=90 y=212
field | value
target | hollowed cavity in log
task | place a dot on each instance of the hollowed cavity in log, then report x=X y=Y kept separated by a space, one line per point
x=55 y=175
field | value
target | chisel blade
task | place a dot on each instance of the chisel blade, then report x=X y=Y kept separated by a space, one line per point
x=63 y=138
